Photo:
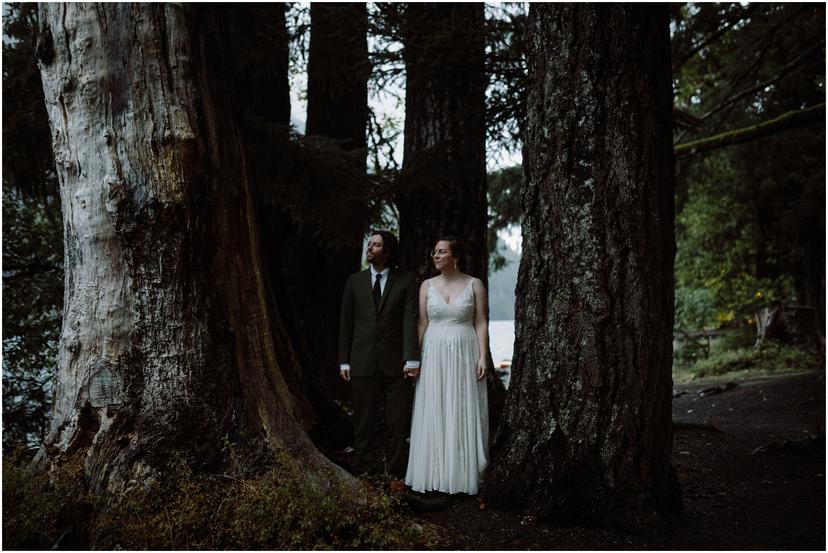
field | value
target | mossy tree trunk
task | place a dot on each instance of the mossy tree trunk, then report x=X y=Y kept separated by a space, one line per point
x=443 y=188
x=169 y=340
x=586 y=433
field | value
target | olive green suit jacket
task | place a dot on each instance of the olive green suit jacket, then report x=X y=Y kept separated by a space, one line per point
x=383 y=338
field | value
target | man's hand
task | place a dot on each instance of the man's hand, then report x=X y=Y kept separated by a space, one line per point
x=345 y=374
x=410 y=373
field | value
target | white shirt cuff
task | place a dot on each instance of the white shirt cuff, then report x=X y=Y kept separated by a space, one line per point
x=345 y=367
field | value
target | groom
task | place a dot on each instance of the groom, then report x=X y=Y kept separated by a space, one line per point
x=378 y=350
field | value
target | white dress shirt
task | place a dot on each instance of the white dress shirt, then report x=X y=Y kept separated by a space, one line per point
x=384 y=274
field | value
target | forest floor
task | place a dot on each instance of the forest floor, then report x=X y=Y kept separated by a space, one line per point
x=750 y=460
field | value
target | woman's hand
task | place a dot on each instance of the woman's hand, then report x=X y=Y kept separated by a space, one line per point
x=481 y=369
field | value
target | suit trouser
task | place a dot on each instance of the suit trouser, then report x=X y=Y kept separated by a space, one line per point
x=367 y=394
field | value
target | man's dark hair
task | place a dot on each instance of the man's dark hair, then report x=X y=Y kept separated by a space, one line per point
x=390 y=245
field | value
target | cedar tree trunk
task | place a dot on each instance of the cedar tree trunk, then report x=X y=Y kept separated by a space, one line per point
x=169 y=340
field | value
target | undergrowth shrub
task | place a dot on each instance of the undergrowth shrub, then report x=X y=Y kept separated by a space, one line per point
x=769 y=358
x=281 y=508
x=44 y=510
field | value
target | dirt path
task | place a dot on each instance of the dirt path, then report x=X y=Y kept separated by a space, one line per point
x=751 y=462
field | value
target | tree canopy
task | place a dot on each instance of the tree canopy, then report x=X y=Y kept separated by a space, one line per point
x=749 y=84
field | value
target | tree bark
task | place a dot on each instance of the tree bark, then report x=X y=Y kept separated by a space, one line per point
x=338 y=71
x=586 y=432
x=169 y=338
x=304 y=293
x=258 y=41
x=444 y=185
x=444 y=165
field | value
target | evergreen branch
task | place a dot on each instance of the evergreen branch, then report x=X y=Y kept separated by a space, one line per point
x=31 y=270
x=773 y=80
x=768 y=41
x=789 y=120
x=719 y=33
x=683 y=119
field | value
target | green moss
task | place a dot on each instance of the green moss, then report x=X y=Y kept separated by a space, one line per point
x=43 y=509
x=768 y=359
x=281 y=508
x=785 y=121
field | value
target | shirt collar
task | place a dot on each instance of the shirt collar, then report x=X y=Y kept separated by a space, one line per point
x=384 y=273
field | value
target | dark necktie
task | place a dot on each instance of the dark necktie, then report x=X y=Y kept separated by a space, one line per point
x=377 y=292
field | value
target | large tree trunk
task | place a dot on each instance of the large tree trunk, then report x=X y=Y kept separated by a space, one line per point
x=443 y=188
x=259 y=45
x=338 y=72
x=444 y=166
x=306 y=268
x=303 y=293
x=169 y=340
x=586 y=433
x=259 y=40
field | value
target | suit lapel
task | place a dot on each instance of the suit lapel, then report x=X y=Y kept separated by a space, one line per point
x=392 y=278
x=366 y=286
x=367 y=279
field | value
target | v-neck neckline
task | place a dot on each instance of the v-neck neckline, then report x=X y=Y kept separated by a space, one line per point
x=451 y=303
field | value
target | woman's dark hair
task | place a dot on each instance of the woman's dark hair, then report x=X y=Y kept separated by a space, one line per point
x=458 y=250
x=390 y=245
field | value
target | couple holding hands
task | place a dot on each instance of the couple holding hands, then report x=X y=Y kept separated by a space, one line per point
x=390 y=336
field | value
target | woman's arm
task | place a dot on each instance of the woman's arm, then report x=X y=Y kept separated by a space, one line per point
x=422 y=320
x=481 y=325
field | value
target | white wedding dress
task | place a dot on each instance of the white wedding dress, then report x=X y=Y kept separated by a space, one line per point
x=450 y=423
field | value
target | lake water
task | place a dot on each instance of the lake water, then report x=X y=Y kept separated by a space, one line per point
x=502 y=338
x=502 y=343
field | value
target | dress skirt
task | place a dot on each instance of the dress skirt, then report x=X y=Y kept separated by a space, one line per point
x=449 y=426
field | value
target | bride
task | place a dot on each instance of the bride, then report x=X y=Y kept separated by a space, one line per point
x=449 y=425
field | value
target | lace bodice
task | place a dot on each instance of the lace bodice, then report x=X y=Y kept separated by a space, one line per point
x=459 y=311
